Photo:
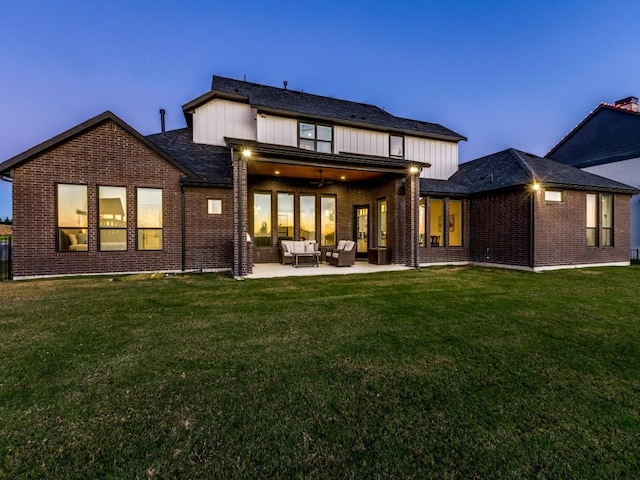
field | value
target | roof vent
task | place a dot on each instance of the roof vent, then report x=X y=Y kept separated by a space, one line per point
x=285 y=84
x=629 y=103
x=162 y=113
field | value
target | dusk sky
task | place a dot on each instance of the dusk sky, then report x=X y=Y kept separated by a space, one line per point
x=502 y=73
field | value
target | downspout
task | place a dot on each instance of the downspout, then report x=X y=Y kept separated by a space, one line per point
x=240 y=210
x=416 y=221
x=532 y=229
x=183 y=228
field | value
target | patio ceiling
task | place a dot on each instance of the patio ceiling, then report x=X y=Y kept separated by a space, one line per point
x=310 y=172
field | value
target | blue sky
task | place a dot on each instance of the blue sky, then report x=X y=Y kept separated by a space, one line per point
x=502 y=73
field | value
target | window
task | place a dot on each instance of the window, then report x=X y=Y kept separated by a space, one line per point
x=436 y=222
x=318 y=138
x=396 y=146
x=72 y=218
x=422 y=217
x=606 y=213
x=262 y=219
x=592 y=220
x=214 y=207
x=307 y=217
x=455 y=223
x=382 y=223
x=285 y=216
x=552 y=196
x=149 y=219
x=328 y=220
x=112 y=218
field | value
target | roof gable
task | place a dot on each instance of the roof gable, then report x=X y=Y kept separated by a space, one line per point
x=608 y=134
x=80 y=129
x=513 y=168
x=301 y=104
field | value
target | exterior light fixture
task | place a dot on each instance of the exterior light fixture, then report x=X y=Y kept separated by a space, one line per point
x=413 y=170
x=535 y=186
x=343 y=177
x=277 y=172
x=246 y=153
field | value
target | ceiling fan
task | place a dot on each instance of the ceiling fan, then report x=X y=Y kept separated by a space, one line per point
x=321 y=182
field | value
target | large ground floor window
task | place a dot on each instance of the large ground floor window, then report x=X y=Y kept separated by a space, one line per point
x=440 y=222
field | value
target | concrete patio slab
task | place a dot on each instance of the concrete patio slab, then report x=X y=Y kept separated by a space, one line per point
x=274 y=270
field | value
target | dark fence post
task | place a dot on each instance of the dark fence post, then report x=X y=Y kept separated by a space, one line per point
x=6 y=268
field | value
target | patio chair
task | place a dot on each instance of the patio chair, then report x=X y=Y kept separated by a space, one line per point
x=330 y=251
x=345 y=257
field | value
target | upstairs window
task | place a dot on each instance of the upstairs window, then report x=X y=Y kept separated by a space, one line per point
x=396 y=146
x=317 y=138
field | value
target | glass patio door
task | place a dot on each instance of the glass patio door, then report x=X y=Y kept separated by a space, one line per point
x=361 y=223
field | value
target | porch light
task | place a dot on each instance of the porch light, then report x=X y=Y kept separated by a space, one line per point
x=246 y=153
x=535 y=186
x=413 y=170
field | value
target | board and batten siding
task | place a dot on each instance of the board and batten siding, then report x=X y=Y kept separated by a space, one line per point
x=360 y=141
x=222 y=118
x=443 y=156
x=277 y=130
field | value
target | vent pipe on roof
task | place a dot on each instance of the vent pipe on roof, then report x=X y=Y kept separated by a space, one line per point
x=162 y=112
x=285 y=84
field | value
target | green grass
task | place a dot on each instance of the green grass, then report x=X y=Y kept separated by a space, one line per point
x=437 y=373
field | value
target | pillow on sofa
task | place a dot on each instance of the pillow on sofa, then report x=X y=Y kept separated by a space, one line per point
x=310 y=248
x=285 y=249
x=82 y=238
x=73 y=239
x=341 y=244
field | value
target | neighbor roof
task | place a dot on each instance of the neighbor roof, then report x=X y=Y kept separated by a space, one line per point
x=5 y=167
x=513 y=168
x=608 y=134
x=211 y=164
x=301 y=104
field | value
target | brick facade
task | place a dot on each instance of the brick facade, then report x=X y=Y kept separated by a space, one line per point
x=108 y=156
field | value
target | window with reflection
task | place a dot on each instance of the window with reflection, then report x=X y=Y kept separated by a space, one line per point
x=328 y=220
x=307 y=217
x=318 y=138
x=382 y=223
x=285 y=216
x=149 y=218
x=592 y=220
x=606 y=214
x=112 y=218
x=72 y=218
x=396 y=146
x=262 y=219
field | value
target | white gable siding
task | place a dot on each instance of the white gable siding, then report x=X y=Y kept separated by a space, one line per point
x=443 y=156
x=277 y=130
x=222 y=118
x=357 y=140
x=627 y=172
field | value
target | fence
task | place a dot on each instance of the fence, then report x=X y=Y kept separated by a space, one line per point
x=635 y=257
x=6 y=272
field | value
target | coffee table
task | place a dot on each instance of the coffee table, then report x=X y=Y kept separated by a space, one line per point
x=312 y=255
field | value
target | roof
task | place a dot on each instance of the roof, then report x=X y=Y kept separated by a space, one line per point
x=608 y=134
x=210 y=164
x=300 y=104
x=90 y=124
x=512 y=168
x=430 y=186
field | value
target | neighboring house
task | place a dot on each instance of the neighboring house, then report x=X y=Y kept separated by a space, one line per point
x=607 y=143
x=257 y=164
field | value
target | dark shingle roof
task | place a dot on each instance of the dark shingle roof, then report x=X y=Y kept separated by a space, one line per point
x=211 y=164
x=298 y=103
x=608 y=134
x=430 y=186
x=513 y=168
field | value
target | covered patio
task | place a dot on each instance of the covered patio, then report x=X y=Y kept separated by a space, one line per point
x=275 y=270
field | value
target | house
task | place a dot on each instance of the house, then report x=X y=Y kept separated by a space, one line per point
x=607 y=143
x=257 y=164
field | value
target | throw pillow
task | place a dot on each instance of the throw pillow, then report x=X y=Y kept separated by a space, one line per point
x=73 y=239
x=82 y=238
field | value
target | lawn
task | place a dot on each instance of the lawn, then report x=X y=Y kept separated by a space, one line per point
x=436 y=373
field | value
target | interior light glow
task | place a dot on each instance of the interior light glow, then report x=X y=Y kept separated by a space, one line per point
x=277 y=172
x=342 y=177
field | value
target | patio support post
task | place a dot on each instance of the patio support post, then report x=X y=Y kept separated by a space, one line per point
x=240 y=267
x=412 y=192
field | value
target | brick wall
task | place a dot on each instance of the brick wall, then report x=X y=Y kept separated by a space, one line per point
x=208 y=237
x=500 y=228
x=105 y=155
x=560 y=231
